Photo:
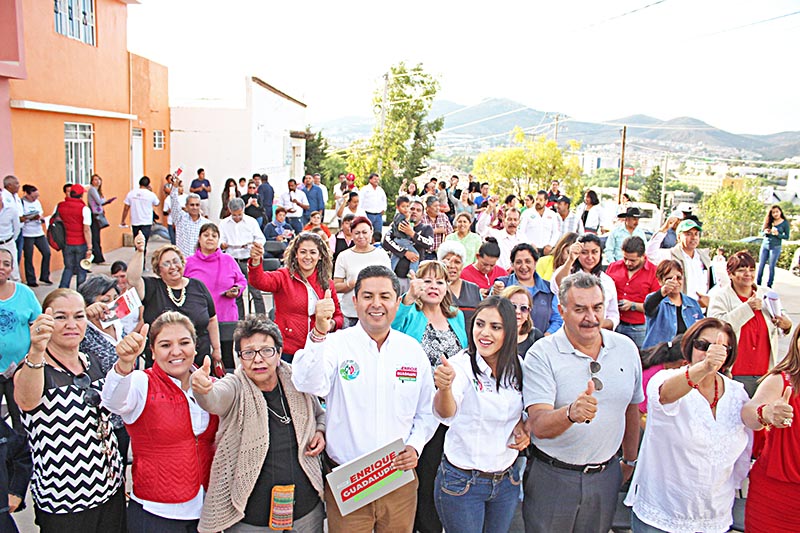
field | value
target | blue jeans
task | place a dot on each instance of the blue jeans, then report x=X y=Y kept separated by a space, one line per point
x=296 y=224
x=767 y=253
x=409 y=245
x=468 y=503
x=73 y=255
x=633 y=332
x=377 y=221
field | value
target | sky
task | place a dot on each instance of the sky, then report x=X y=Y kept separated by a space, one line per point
x=592 y=60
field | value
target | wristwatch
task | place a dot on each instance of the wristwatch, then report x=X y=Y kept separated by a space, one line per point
x=628 y=463
x=633 y=307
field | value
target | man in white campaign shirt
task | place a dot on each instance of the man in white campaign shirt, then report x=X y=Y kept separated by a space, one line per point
x=236 y=233
x=139 y=203
x=540 y=225
x=373 y=201
x=294 y=201
x=369 y=404
x=508 y=237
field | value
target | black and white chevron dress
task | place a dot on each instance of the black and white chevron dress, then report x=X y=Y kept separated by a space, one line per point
x=71 y=470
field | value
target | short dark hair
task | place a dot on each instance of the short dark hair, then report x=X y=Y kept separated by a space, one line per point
x=524 y=247
x=663 y=352
x=402 y=200
x=292 y=180
x=253 y=325
x=29 y=189
x=633 y=245
x=486 y=183
x=144 y=181
x=199 y=170
x=349 y=217
x=509 y=198
x=489 y=248
x=666 y=266
x=66 y=186
x=697 y=328
x=119 y=266
x=592 y=197
x=204 y=228
x=257 y=175
x=541 y=192
x=352 y=195
x=377 y=271
x=373 y=175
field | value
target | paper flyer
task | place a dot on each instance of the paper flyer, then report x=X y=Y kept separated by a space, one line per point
x=773 y=304
x=371 y=476
x=127 y=303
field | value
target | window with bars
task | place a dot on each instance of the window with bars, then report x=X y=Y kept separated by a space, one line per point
x=79 y=151
x=159 y=139
x=75 y=19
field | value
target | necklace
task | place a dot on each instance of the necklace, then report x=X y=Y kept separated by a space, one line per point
x=179 y=301
x=284 y=419
x=716 y=393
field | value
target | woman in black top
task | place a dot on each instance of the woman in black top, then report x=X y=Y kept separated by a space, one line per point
x=527 y=333
x=251 y=206
x=172 y=291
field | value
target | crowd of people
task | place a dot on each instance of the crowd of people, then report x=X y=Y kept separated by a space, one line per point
x=516 y=350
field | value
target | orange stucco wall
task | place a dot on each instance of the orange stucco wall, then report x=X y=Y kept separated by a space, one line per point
x=105 y=77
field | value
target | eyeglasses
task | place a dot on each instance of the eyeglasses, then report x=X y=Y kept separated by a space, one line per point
x=704 y=345
x=175 y=262
x=84 y=383
x=524 y=309
x=267 y=352
x=595 y=367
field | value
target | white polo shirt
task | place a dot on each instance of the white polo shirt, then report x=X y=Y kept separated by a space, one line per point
x=292 y=209
x=481 y=429
x=373 y=396
x=540 y=230
x=373 y=199
x=141 y=202
x=236 y=234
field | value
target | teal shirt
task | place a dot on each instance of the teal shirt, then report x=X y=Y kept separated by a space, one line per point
x=613 y=250
x=774 y=241
x=16 y=315
x=413 y=322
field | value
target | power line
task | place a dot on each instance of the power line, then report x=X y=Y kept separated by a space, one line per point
x=752 y=24
x=712 y=158
x=615 y=17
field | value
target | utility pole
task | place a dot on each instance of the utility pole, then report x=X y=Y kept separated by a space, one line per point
x=556 y=134
x=664 y=188
x=621 y=165
x=384 y=103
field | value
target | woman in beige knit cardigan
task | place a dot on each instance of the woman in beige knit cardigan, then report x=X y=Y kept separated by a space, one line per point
x=269 y=440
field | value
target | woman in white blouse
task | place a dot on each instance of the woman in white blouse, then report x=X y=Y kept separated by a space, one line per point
x=480 y=397
x=696 y=449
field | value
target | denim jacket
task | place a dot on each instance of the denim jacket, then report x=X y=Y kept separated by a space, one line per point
x=664 y=325
x=544 y=313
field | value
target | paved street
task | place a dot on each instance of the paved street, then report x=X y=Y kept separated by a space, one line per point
x=787 y=285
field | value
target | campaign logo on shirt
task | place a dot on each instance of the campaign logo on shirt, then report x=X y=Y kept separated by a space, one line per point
x=349 y=370
x=406 y=373
x=483 y=385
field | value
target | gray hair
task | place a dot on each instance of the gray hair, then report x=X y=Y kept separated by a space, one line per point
x=235 y=204
x=191 y=196
x=578 y=280
x=96 y=285
x=253 y=325
x=431 y=199
x=452 y=247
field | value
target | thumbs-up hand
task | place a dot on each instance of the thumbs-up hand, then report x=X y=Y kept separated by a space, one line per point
x=716 y=354
x=780 y=413
x=42 y=330
x=754 y=302
x=201 y=378
x=584 y=408
x=416 y=286
x=443 y=375
x=324 y=312
x=131 y=346
x=138 y=242
x=497 y=287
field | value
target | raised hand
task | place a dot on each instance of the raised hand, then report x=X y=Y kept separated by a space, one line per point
x=781 y=412
x=324 y=312
x=584 y=408
x=716 y=354
x=256 y=253
x=138 y=242
x=97 y=311
x=416 y=287
x=41 y=331
x=498 y=287
x=575 y=250
x=130 y=347
x=444 y=375
x=201 y=378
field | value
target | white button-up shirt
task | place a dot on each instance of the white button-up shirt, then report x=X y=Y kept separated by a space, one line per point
x=373 y=199
x=481 y=429
x=373 y=396
x=540 y=230
x=126 y=396
x=235 y=234
x=505 y=240
x=292 y=209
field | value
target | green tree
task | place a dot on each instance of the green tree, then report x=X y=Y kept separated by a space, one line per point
x=732 y=214
x=529 y=165
x=332 y=166
x=403 y=137
x=651 y=191
x=316 y=151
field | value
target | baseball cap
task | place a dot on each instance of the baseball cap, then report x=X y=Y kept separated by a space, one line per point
x=351 y=177
x=564 y=199
x=77 y=189
x=688 y=224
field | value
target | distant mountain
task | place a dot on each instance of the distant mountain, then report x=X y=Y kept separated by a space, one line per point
x=493 y=117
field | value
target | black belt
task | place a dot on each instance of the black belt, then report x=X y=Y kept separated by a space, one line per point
x=623 y=323
x=552 y=461
x=494 y=476
x=7 y=240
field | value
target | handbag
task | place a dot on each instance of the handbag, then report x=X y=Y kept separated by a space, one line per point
x=102 y=221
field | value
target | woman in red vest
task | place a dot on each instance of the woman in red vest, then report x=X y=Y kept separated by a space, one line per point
x=171 y=436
